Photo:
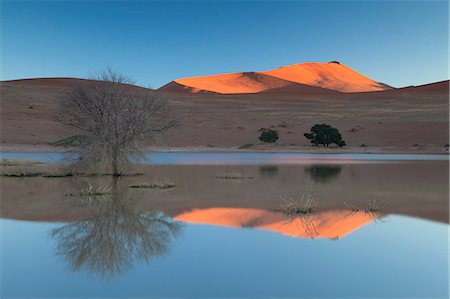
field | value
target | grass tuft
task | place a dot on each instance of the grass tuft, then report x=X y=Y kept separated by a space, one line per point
x=58 y=175
x=373 y=209
x=20 y=173
x=91 y=191
x=299 y=206
x=19 y=162
x=154 y=185
x=302 y=209
x=245 y=146
x=232 y=176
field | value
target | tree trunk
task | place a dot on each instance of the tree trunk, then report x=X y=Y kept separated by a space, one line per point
x=114 y=164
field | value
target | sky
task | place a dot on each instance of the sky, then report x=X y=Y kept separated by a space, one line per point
x=400 y=43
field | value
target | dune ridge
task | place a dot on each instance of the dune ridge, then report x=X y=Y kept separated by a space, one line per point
x=335 y=76
x=326 y=77
x=245 y=82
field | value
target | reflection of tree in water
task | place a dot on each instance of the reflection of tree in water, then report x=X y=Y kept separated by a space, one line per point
x=117 y=234
x=268 y=170
x=323 y=173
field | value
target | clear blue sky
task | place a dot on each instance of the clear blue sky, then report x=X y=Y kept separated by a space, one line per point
x=398 y=42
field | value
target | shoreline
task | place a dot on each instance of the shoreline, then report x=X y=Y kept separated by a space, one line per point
x=23 y=148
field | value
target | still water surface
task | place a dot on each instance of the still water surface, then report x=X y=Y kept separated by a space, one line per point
x=370 y=228
x=186 y=158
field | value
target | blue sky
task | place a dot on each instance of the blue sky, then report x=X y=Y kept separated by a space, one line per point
x=396 y=42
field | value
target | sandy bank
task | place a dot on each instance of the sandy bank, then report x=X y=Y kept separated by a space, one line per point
x=21 y=148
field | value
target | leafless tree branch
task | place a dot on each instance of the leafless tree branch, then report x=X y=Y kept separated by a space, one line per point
x=118 y=119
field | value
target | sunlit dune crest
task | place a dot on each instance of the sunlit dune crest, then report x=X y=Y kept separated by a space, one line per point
x=291 y=78
x=234 y=83
x=330 y=224
x=336 y=76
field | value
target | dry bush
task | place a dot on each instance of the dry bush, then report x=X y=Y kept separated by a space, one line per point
x=117 y=119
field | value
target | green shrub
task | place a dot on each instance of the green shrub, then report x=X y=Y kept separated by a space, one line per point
x=269 y=136
x=245 y=145
x=323 y=134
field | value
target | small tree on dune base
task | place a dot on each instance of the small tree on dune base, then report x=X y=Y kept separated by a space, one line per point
x=323 y=134
x=269 y=136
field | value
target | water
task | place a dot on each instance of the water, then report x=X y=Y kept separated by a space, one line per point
x=375 y=229
x=186 y=158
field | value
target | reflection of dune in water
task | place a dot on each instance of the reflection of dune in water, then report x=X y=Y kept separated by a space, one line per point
x=330 y=224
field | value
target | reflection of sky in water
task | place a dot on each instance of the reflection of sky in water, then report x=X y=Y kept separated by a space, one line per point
x=251 y=158
x=403 y=257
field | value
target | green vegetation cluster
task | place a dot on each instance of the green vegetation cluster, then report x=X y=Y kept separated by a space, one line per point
x=320 y=134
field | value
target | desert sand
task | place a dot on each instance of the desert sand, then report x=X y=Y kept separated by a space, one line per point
x=412 y=119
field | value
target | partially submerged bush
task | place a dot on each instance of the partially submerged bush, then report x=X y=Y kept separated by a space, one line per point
x=58 y=174
x=19 y=162
x=154 y=185
x=269 y=136
x=373 y=209
x=302 y=209
x=232 y=176
x=20 y=173
x=91 y=190
x=323 y=134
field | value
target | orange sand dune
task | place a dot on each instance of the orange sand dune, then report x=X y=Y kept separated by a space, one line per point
x=230 y=83
x=300 y=89
x=331 y=224
x=291 y=79
x=334 y=76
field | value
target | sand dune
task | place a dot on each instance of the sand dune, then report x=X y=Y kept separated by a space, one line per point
x=62 y=82
x=327 y=76
x=177 y=87
x=441 y=87
x=54 y=82
x=300 y=89
x=393 y=120
x=336 y=76
x=249 y=82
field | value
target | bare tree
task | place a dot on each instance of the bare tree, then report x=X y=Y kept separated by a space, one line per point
x=117 y=118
